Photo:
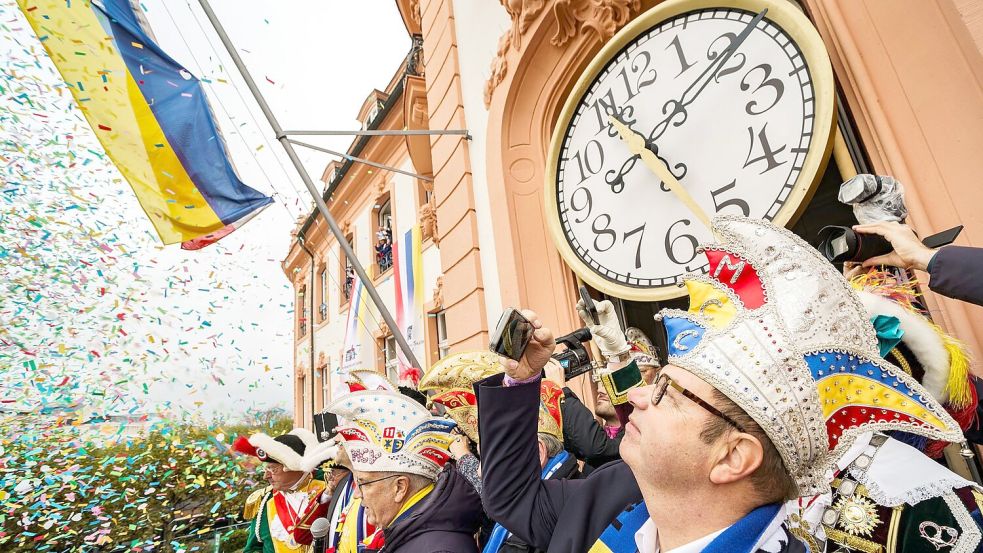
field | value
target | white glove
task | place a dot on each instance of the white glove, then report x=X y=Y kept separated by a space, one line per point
x=608 y=336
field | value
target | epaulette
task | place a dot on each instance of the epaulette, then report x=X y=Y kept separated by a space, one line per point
x=253 y=503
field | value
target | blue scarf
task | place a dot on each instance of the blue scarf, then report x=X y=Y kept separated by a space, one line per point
x=499 y=534
x=619 y=537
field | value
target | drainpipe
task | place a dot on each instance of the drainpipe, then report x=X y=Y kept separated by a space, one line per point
x=303 y=246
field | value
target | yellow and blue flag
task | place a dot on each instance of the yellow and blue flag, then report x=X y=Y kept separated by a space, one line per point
x=151 y=116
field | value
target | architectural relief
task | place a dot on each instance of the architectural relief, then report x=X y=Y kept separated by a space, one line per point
x=428 y=216
x=601 y=18
x=438 y=294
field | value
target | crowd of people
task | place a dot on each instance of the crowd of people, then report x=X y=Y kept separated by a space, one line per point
x=797 y=410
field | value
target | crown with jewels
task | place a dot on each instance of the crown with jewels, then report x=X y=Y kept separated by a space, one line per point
x=390 y=432
x=452 y=380
x=779 y=331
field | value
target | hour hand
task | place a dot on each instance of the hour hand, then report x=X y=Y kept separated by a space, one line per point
x=637 y=145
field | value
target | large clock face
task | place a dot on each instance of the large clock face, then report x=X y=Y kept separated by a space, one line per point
x=737 y=137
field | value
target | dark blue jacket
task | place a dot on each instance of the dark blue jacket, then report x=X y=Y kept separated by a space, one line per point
x=957 y=272
x=553 y=515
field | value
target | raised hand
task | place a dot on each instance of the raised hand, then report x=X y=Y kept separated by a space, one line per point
x=538 y=352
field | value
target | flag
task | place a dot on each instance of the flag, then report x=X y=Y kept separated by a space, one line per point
x=151 y=116
x=408 y=261
x=356 y=320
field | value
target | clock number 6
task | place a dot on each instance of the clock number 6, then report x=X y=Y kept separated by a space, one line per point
x=670 y=243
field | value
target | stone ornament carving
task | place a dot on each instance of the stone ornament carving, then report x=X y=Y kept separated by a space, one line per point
x=322 y=360
x=438 y=293
x=415 y=14
x=428 y=216
x=602 y=18
x=384 y=328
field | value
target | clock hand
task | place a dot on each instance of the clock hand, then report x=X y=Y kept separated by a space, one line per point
x=701 y=82
x=637 y=145
x=616 y=178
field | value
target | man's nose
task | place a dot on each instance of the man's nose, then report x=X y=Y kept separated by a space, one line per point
x=638 y=397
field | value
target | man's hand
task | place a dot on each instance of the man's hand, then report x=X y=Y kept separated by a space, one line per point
x=459 y=447
x=554 y=373
x=608 y=336
x=909 y=252
x=537 y=353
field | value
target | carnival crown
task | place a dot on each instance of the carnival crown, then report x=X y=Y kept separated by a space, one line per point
x=452 y=379
x=778 y=330
x=389 y=432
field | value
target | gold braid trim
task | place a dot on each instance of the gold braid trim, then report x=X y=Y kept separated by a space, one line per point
x=852 y=542
x=902 y=362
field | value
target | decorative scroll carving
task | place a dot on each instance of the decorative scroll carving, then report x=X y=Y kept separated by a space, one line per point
x=602 y=18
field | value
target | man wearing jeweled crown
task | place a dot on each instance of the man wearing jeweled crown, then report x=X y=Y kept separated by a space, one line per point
x=773 y=373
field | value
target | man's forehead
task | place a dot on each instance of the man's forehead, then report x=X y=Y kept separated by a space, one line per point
x=686 y=379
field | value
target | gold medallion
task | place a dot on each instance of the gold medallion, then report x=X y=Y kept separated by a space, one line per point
x=858 y=515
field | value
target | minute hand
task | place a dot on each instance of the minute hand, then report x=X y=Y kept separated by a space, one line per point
x=701 y=82
x=636 y=144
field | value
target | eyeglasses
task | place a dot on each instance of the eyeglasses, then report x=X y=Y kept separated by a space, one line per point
x=662 y=384
x=363 y=484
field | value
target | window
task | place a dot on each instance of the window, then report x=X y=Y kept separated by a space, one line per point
x=347 y=271
x=391 y=360
x=384 y=237
x=442 y=348
x=325 y=385
x=302 y=311
x=323 y=309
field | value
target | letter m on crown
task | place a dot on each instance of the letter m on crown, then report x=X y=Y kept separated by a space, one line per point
x=737 y=274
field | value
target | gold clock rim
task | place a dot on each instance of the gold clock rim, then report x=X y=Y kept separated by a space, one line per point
x=797 y=26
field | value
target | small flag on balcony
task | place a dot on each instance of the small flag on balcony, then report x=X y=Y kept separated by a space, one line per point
x=151 y=116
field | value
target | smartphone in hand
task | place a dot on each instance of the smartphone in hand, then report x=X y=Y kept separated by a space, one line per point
x=589 y=306
x=511 y=335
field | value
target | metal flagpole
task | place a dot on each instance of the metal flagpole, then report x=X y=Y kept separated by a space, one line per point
x=360 y=160
x=408 y=132
x=321 y=206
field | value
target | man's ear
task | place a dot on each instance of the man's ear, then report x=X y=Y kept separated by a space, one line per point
x=542 y=453
x=402 y=492
x=736 y=457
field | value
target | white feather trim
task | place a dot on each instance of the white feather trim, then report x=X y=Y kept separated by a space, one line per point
x=318 y=454
x=306 y=436
x=277 y=451
x=920 y=338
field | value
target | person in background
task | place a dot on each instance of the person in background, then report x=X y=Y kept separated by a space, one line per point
x=277 y=512
x=414 y=497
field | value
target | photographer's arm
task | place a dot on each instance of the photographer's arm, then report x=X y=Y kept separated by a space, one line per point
x=953 y=270
x=583 y=436
x=508 y=410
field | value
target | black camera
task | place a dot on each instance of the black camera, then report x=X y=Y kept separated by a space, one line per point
x=839 y=244
x=575 y=360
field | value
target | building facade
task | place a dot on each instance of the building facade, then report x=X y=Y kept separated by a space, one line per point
x=908 y=77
